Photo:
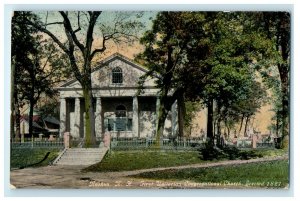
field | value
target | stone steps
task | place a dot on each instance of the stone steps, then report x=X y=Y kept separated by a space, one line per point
x=81 y=156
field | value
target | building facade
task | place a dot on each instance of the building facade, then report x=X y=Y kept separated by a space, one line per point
x=119 y=110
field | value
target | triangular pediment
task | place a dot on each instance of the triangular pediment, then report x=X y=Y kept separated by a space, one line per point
x=102 y=74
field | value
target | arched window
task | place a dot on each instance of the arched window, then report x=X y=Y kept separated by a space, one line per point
x=117 y=76
x=120 y=111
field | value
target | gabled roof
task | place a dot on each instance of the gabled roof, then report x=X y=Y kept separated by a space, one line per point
x=104 y=62
x=52 y=120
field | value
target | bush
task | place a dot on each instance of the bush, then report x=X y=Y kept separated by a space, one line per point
x=210 y=152
x=232 y=153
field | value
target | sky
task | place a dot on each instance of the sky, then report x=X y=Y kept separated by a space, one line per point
x=107 y=19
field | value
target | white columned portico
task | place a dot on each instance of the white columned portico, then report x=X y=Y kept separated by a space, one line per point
x=76 y=127
x=63 y=118
x=98 y=118
x=135 y=117
x=174 y=118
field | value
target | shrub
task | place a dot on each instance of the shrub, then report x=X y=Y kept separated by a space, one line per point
x=210 y=152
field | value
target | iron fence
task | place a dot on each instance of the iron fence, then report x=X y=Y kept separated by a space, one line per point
x=265 y=145
x=148 y=143
x=38 y=143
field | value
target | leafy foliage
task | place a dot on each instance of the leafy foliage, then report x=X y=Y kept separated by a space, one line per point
x=232 y=153
x=36 y=65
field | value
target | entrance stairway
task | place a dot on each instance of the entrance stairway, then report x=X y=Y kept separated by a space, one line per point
x=81 y=156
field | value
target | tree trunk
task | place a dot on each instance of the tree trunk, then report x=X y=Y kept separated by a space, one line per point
x=17 y=123
x=277 y=123
x=241 y=125
x=228 y=133
x=285 y=110
x=162 y=115
x=30 y=117
x=209 y=131
x=12 y=101
x=90 y=138
x=181 y=115
x=246 y=126
x=227 y=127
x=283 y=31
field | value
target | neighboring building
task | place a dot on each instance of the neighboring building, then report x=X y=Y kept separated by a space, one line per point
x=37 y=126
x=45 y=126
x=119 y=110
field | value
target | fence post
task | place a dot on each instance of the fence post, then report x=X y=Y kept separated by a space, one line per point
x=32 y=141
x=67 y=140
x=51 y=138
x=106 y=140
x=254 y=141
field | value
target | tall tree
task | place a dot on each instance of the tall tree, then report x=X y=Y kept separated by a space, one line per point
x=230 y=78
x=276 y=27
x=22 y=49
x=37 y=65
x=166 y=49
x=79 y=30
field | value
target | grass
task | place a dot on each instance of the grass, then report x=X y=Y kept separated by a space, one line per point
x=133 y=160
x=271 y=152
x=26 y=156
x=273 y=174
x=233 y=153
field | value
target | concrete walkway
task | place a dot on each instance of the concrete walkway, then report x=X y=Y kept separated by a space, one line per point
x=71 y=177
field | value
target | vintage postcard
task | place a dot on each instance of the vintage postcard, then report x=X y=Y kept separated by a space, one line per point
x=150 y=100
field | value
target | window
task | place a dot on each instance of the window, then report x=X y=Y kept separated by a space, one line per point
x=120 y=111
x=117 y=76
x=119 y=122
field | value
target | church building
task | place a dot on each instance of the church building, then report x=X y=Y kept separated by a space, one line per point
x=119 y=110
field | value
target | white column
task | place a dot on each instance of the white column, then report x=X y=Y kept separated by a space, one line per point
x=63 y=118
x=135 y=117
x=76 y=127
x=98 y=118
x=157 y=111
x=174 y=118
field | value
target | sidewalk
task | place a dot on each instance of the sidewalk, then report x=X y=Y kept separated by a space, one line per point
x=66 y=177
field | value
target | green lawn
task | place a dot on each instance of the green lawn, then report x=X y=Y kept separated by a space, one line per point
x=273 y=174
x=271 y=152
x=23 y=157
x=133 y=160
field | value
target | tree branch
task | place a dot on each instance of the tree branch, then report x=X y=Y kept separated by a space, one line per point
x=89 y=36
x=68 y=28
x=52 y=23
x=50 y=34
x=98 y=50
x=78 y=23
